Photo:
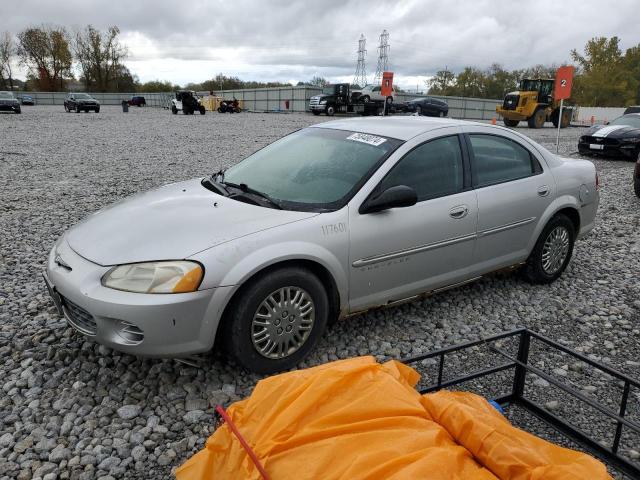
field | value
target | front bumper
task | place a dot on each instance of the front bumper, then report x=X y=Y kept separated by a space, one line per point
x=156 y=325
x=622 y=150
x=15 y=107
x=318 y=108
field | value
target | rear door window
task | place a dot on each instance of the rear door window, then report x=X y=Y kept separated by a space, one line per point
x=498 y=159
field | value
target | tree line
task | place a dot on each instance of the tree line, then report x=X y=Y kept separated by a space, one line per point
x=604 y=77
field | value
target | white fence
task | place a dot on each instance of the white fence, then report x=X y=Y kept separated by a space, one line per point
x=296 y=99
x=589 y=115
x=57 y=98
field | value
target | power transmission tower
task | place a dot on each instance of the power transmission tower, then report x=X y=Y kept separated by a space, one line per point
x=360 y=77
x=383 y=57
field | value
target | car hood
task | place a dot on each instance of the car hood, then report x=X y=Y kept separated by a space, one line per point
x=169 y=223
x=613 y=131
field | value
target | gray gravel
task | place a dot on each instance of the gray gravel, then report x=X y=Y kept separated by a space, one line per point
x=73 y=409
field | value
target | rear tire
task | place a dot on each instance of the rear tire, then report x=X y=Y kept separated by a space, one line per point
x=77 y=109
x=552 y=251
x=537 y=119
x=511 y=123
x=315 y=112
x=252 y=325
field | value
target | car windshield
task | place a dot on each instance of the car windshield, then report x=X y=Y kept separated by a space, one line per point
x=631 y=120
x=314 y=169
x=328 y=90
x=6 y=95
x=82 y=96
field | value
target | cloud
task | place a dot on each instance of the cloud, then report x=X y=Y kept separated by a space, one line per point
x=283 y=40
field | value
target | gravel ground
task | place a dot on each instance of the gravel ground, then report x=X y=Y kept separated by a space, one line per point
x=73 y=409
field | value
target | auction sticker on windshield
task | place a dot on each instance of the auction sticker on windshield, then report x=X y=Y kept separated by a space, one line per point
x=364 y=138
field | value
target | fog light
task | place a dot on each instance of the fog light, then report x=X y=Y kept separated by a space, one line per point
x=130 y=333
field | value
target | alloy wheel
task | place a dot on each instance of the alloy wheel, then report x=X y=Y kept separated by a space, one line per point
x=282 y=323
x=555 y=250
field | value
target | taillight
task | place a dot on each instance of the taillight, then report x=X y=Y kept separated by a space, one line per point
x=597 y=182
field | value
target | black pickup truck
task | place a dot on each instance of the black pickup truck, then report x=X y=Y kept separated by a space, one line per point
x=338 y=98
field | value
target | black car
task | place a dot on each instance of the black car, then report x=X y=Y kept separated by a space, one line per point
x=9 y=103
x=27 y=100
x=138 y=101
x=619 y=138
x=81 y=101
x=427 y=106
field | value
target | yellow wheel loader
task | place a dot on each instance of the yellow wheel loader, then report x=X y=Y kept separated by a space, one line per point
x=533 y=102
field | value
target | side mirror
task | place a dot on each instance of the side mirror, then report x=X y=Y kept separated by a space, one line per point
x=607 y=123
x=394 y=197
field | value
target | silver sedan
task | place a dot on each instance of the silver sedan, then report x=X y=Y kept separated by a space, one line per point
x=329 y=221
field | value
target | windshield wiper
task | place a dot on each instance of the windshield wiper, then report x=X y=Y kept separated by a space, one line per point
x=244 y=188
x=215 y=186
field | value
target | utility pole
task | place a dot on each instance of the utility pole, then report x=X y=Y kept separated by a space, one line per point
x=383 y=57
x=360 y=77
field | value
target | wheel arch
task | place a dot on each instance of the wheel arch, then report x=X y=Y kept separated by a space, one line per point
x=321 y=271
x=565 y=205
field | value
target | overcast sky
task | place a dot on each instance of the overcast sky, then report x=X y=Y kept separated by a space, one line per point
x=287 y=40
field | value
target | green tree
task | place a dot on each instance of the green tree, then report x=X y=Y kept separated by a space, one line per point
x=602 y=78
x=157 y=86
x=45 y=52
x=470 y=83
x=441 y=83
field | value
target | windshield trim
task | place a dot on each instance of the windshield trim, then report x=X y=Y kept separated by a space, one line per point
x=340 y=203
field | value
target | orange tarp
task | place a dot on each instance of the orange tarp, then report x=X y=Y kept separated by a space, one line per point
x=358 y=419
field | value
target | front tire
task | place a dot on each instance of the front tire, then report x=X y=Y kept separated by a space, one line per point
x=552 y=251
x=365 y=99
x=202 y=110
x=331 y=110
x=78 y=109
x=315 y=112
x=537 y=119
x=276 y=320
x=510 y=123
x=174 y=110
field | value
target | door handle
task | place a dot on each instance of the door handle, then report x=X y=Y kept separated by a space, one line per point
x=459 y=212
x=543 y=190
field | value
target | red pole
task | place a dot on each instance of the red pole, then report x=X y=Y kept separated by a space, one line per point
x=243 y=442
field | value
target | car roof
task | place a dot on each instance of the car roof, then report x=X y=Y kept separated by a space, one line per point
x=402 y=128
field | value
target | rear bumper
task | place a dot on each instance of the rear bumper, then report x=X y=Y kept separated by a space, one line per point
x=154 y=325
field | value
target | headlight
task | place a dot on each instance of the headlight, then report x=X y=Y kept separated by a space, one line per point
x=155 y=277
x=322 y=102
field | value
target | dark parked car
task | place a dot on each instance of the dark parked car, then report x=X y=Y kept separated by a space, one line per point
x=619 y=138
x=27 y=100
x=427 y=106
x=636 y=178
x=81 y=101
x=137 y=101
x=9 y=103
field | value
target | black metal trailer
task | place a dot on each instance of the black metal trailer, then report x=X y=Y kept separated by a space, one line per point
x=516 y=349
